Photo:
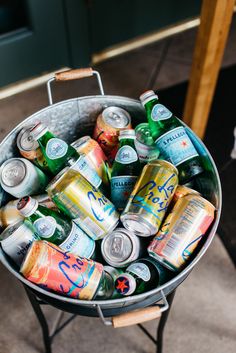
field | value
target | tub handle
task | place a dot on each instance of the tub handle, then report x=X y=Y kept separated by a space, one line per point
x=137 y=316
x=75 y=74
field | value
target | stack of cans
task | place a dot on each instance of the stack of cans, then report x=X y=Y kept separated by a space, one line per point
x=94 y=250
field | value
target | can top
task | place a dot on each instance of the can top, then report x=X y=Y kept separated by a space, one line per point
x=13 y=172
x=81 y=142
x=25 y=140
x=125 y=284
x=147 y=96
x=27 y=206
x=38 y=130
x=37 y=250
x=116 y=117
x=117 y=247
x=165 y=164
x=143 y=134
x=7 y=234
x=58 y=178
x=129 y=133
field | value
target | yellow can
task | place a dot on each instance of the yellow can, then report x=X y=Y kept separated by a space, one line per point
x=150 y=198
x=83 y=203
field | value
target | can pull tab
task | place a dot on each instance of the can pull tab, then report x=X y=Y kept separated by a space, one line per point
x=75 y=74
x=233 y=153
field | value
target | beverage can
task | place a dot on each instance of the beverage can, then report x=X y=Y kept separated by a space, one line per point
x=150 y=198
x=83 y=203
x=144 y=144
x=94 y=155
x=16 y=240
x=108 y=125
x=67 y=274
x=29 y=148
x=120 y=247
x=19 y=177
x=182 y=191
x=181 y=231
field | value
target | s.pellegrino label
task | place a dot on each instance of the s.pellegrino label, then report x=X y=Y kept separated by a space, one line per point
x=160 y=112
x=121 y=188
x=126 y=155
x=175 y=146
x=45 y=227
x=141 y=270
x=56 y=148
x=78 y=243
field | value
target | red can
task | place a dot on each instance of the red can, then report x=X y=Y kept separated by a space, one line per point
x=109 y=123
x=53 y=269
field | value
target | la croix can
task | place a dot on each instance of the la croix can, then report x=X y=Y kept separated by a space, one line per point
x=16 y=240
x=182 y=191
x=29 y=148
x=120 y=247
x=94 y=155
x=83 y=203
x=19 y=177
x=108 y=125
x=150 y=198
x=67 y=274
x=182 y=230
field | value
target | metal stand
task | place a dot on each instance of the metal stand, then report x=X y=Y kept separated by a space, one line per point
x=57 y=327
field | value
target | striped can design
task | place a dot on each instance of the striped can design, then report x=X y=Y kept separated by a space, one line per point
x=83 y=203
x=182 y=230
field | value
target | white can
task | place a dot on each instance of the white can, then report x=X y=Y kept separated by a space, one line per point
x=16 y=240
x=19 y=177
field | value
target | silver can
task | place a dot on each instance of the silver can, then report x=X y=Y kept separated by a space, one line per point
x=120 y=247
x=16 y=240
x=29 y=148
x=19 y=177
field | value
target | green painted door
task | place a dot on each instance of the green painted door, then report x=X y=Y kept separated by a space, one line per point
x=35 y=37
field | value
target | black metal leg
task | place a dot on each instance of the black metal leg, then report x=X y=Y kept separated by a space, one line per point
x=162 y=323
x=41 y=318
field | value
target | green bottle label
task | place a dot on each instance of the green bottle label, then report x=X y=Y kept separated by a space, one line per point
x=121 y=188
x=160 y=112
x=45 y=227
x=141 y=270
x=175 y=146
x=126 y=154
x=56 y=148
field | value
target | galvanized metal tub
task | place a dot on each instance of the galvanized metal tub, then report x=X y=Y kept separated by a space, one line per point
x=71 y=119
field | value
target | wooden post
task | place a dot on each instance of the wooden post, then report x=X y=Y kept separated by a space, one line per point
x=212 y=34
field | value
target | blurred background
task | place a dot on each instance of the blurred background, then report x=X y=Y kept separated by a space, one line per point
x=135 y=46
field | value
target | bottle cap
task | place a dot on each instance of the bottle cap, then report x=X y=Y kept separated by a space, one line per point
x=27 y=206
x=125 y=284
x=147 y=96
x=129 y=133
x=38 y=130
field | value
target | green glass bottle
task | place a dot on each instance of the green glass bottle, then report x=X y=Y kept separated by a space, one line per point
x=47 y=223
x=51 y=226
x=171 y=138
x=56 y=151
x=125 y=170
x=141 y=276
x=106 y=288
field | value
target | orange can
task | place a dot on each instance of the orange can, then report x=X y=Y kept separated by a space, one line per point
x=55 y=270
x=181 y=231
x=94 y=155
x=182 y=191
x=108 y=126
